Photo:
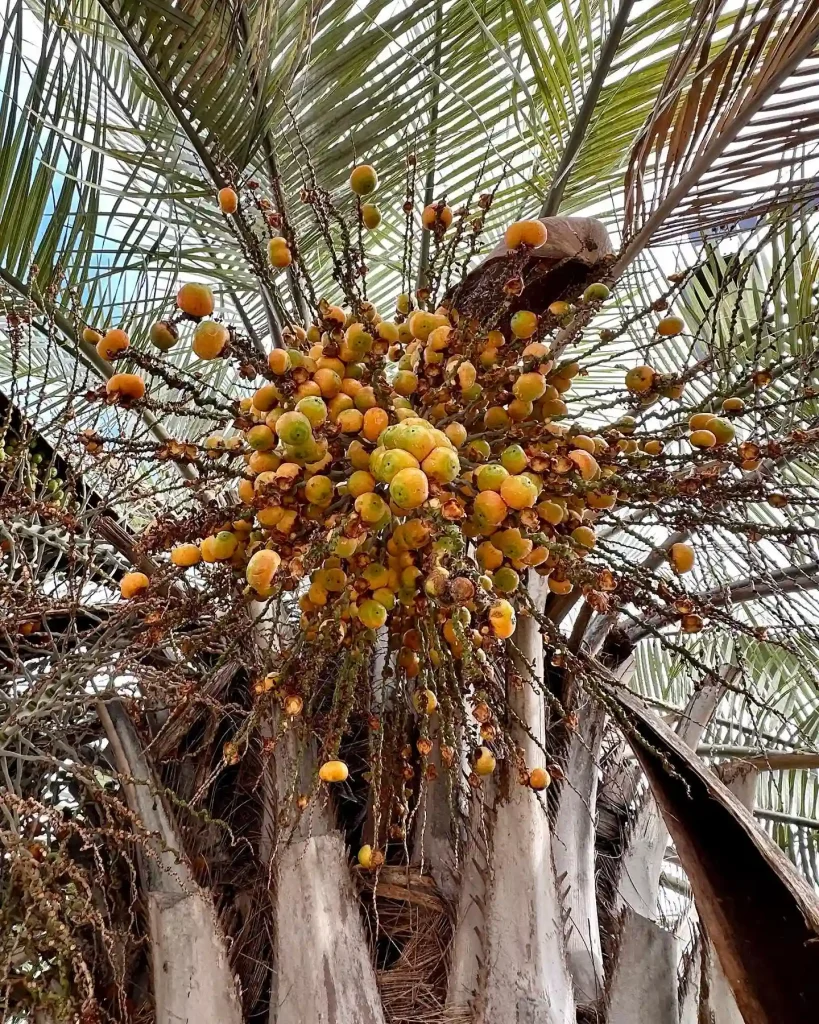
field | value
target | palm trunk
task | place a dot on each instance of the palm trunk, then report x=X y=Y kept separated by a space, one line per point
x=509 y=962
x=324 y=970
x=574 y=856
x=191 y=974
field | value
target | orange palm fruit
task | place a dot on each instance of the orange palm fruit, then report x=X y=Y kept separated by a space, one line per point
x=526 y=232
x=129 y=385
x=132 y=583
x=195 y=299
x=112 y=343
x=261 y=569
x=228 y=200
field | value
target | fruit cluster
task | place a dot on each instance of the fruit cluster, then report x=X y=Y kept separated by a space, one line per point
x=405 y=472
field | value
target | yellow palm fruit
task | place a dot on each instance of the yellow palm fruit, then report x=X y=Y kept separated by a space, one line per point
x=334 y=771
x=270 y=516
x=319 y=490
x=363 y=180
x=358 y=455
x=209 y=339
x=195 y=299
x=409 y=488
x=370 y=507
x=370 y=215
x=372 y=614
x=702 y=439
x=456 y=432
x=523 y=324
x=360 y=482
x=519 y=491
x=489 y=557
x=261 y=569
x=640 y=379
x=350 y=421
x=422 y=324
x=681 y=557
x=490 y=476
x=278 y=252
x=442 y=465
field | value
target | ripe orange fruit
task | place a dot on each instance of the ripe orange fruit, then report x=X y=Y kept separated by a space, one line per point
x=333 y=771
x=502 y=619
x=228 y=200
x=640 y=379
x=112 y=342
x=209 y=339
x=132 y=583
x=702 y=439
x=587 y=465
x=681 y=557
x=523 y=324
x=195 y=299
x=363 y=180
x=559 y=585
x=435 y=215
x=539 y=779
x=529 y=387
x=375 y=420
x=129 y=385
x=489 y=557
x=584 y=536
x=551 y=512
x=371 y=216
x=670 y=326
x=328 y=380
x=185 y=555
x=489 y=509
x=261 y=569
x=519 y=491
x=279 y=361
x=278 y=252
x=526 y=232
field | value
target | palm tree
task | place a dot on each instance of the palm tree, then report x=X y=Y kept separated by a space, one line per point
x=154 y=865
